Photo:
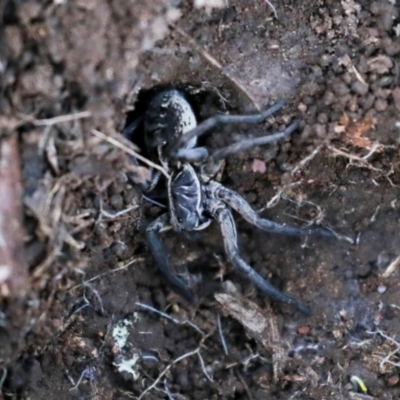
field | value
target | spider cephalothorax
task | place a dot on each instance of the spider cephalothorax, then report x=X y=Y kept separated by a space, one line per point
x=194 y=198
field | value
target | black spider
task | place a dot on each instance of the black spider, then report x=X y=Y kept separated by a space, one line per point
x=195 y=199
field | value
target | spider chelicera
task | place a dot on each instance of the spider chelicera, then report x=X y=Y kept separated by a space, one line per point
x=194 y=197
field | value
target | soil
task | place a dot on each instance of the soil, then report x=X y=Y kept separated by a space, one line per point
x=84 y=313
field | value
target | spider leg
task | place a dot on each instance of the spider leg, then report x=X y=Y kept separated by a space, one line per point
x=222 y=214
x=158 y=251
x=199 y=154
x=247 y=144
x=135 y=176
x=219 y=120
x=194 y=155
x=129 y=130
x=213 y=162
x=240 y=205
x=148 y=185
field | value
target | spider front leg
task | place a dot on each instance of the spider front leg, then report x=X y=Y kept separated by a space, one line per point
x=240 y=205
x=158 y=251
x=222 y=214
x=210 y=123
x=213 y=163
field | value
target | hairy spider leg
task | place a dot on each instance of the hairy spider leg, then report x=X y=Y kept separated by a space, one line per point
x=129 y=130
x=155 y=175
x=240 y=205
x=214 y=161
x=218 y=120
x=248 y=144
x=201 y=154
x=157 y=249
x=195 y=155
x=223 y=215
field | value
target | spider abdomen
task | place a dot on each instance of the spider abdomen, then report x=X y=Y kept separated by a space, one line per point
x=168 y=117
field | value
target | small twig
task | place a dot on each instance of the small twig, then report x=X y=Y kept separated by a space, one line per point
x=245 y=386
x=387 y=358
x=167 y=368
x=2 y=379
x=274 y=201
x=221 y=335
x=121 y=146
x=79 y=381
x=57 y=120
x=106 y=273
x=391 y=267
x=347 y=155
x=203 y=367
x=115 y=214
x=174 y=320
x=307 y=159
x=166 y=390
x=372 y=151
x=374 y=215
x=358 y=75
x=350 y=156
x=363 y=163
x=155 y=202
x=97 y=295
x=272 y=8
x=320 y=213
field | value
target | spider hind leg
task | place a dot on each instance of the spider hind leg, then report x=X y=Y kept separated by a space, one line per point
x=222 y=214
x=240 y=205
x=159 y=254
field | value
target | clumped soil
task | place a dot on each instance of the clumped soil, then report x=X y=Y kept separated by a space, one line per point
x=75 y=321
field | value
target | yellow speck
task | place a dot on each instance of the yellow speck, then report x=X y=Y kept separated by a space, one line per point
x=358 y=384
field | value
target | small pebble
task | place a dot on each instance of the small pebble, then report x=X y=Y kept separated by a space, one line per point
x=322 y=118
x=359 y=88
x=328 y=98
x=302 y=107
x=381 y=289
x=303 y=330
x=393 y=380
x=258 y=166
x=380 y=105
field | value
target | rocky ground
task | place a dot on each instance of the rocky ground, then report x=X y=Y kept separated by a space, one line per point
x=84 y=313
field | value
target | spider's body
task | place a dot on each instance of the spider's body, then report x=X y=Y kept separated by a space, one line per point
x=195 y=199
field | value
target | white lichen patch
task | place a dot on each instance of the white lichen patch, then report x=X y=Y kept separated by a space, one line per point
x=210 y=4
x=127 y=365
x=120 y=332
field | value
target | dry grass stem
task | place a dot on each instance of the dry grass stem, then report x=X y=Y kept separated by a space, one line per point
x=121 y=146
x=391 y=267
x=122 y=267
x=56 y=120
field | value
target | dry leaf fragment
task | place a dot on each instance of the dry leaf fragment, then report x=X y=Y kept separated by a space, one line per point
x=355 y=130
x=380 y=64
x=259 y=323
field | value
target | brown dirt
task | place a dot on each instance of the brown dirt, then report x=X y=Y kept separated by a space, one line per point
x=336 y=64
